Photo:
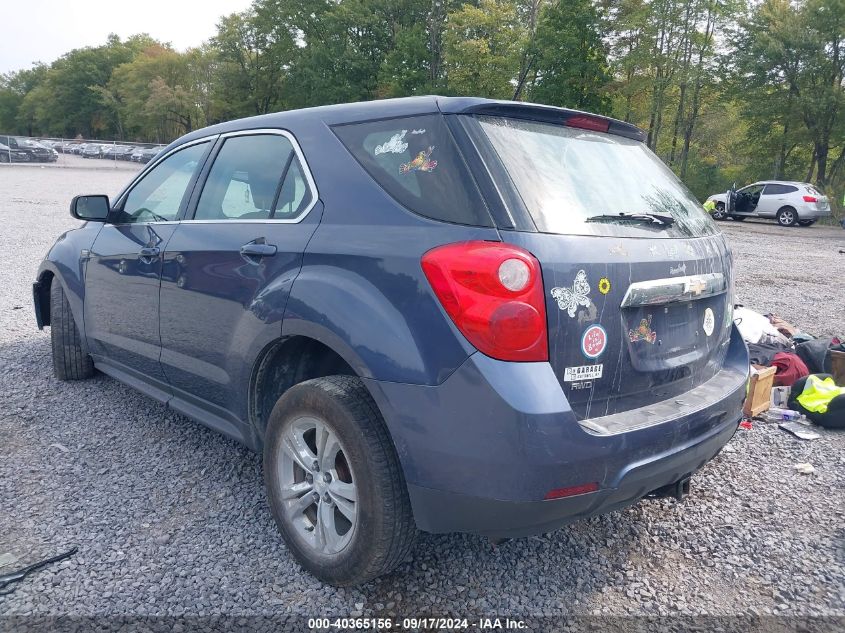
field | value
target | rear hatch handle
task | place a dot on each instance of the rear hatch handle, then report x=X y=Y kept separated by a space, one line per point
x=674 y=290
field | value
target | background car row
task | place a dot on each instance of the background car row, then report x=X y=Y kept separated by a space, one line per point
x=16 y=149
x=134 y=153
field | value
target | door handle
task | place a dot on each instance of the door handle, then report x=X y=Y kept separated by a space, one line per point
x=258 y=249
x=149 y=253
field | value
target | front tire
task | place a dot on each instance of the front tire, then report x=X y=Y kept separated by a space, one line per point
x=70 y=360
x=334 y=483
x=787 y=216
x=719 y=212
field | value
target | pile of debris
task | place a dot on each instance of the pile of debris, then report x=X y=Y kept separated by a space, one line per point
x=795 y=377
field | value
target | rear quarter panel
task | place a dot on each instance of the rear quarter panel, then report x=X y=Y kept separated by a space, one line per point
x=361 y=290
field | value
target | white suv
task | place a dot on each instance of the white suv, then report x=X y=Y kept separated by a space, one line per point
x=790 y=203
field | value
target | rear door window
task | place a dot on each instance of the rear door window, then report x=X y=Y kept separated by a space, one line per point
x=570 y=180
x=416 y=161
x=246 y=181
x=777 y=190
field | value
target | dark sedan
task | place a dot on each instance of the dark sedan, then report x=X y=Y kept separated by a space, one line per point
x=9 y=155
x=92 y=150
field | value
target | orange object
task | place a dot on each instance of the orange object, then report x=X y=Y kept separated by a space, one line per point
x=759 y=396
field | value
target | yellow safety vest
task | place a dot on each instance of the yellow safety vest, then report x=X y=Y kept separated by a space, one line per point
x=818 y=393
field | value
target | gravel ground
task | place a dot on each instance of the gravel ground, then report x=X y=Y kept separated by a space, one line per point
x=171 y=518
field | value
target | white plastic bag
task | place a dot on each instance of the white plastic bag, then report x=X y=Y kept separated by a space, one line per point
x=755 y=328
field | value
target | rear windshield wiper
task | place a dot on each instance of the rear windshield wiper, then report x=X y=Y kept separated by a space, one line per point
x=662 y=221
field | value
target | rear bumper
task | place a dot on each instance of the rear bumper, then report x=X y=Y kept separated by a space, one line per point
x=481 y=450
x=440 y=511
x=807 y=212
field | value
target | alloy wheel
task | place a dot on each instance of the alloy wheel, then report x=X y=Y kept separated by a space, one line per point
x=786 y=217
x=317 y=485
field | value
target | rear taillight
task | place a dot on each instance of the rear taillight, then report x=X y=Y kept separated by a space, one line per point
x=586 y=122
x=493 y=292
x=571 y=491
x=810 y=199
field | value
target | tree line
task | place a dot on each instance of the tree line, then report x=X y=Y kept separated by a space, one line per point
x=726 y=90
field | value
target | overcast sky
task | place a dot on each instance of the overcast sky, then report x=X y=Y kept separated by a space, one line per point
x=43 y=30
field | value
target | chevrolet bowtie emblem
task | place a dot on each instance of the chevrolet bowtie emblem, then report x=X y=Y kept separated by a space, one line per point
x=696 y=286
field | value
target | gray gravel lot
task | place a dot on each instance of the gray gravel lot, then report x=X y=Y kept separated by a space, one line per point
x=171 y=518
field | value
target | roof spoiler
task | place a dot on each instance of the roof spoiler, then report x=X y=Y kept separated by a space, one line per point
x=559 y=116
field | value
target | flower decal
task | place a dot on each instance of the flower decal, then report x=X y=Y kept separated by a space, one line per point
x=604 y=285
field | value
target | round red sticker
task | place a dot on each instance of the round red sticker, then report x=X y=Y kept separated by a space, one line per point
x=593 y=341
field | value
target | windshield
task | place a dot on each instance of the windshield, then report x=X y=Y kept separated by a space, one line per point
x=573 y=181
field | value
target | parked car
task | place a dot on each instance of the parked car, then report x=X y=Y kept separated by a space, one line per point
x=9 y=155
x=41 y=152
x=113 y=152
x=788 y=202
x=92 y=150
x=36 y=153
x=149 y=153
x=123 y=152
x=456 y=315
x=136 y=154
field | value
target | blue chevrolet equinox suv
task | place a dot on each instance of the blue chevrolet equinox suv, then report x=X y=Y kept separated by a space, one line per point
x=438 y=314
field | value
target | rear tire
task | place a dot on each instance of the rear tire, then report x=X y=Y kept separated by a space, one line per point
x=70 y=361
x=360 y=477
x=787 y=216
x=806 y=222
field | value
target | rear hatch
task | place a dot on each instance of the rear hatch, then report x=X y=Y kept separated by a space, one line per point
x=817 y=198
x=638 y=305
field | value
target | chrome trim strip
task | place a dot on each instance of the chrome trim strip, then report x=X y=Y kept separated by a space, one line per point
x=674 y=289
x=688 y=403
x=312 y=186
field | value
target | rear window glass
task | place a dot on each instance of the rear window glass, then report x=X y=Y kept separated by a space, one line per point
x=774 y=190
x=568 y=177
x=415 y=160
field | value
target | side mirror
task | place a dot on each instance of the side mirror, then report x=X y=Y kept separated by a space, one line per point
x=90 y=208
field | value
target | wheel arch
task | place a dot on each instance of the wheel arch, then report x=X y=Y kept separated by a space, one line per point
x=41 y=297
x=48 y=274
x=788 y=207
x=285 y=362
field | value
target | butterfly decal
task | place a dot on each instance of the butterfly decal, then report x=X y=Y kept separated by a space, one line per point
x=570 y=298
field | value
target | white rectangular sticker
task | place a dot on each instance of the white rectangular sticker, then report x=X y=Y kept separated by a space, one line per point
x=585 y=372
